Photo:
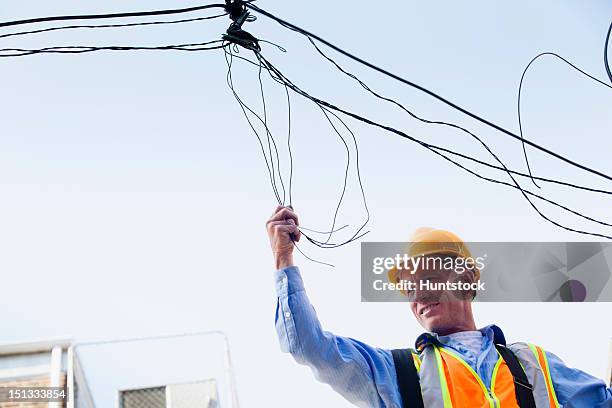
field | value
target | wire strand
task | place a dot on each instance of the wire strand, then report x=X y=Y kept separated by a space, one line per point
x=503 y=167
x=271 y=142
x=398 y=132
x=244 y=109
x=425 y=90
x=606 y=45
x=289 y=146
x=452 y=125
x=93 y=26
x=113 y=15
x=356 y=235
x=82 y=49
x=518 y=103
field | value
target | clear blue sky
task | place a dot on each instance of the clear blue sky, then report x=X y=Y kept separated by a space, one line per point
x=133 y=195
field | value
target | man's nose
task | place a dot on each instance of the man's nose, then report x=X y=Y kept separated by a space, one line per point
x=425 y=296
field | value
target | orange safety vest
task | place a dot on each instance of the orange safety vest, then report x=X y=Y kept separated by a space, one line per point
x=447 y=381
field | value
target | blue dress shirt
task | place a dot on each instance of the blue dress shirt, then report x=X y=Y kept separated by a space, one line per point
x=365 y=375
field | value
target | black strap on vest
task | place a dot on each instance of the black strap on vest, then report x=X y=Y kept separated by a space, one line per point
x=410 y=387
x=522 y=388
x=407 y=379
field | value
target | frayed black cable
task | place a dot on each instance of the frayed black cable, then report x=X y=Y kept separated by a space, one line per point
x=426 y=145
x=518 y=103
x=425 y=90
x=93 y=26
x=113 y=15
x=78 y=49
x=244 y=109
x=271 y=142
x=606 y=45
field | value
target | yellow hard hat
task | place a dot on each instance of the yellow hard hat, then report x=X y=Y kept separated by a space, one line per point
x=429 y=241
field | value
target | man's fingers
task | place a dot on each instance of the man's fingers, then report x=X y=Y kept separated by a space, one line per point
x=283 y=226
x=284 y=214
x=285 y=229
x=272 y=224
x=282 y=223
x=278 y=207
x=297 y=234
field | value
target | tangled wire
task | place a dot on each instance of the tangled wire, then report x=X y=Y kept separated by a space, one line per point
x=335 y=115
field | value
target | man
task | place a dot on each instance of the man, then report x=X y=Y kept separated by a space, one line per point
x=457 y=365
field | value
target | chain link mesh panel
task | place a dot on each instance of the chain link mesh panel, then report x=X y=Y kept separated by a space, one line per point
x=144 y=398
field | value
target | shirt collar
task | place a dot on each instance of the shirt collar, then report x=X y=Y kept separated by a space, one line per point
x=492 y=332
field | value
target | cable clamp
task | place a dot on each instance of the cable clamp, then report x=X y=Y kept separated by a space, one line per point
x=235 y=34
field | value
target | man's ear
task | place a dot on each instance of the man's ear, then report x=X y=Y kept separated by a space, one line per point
x=469 y=276
x=473 y=280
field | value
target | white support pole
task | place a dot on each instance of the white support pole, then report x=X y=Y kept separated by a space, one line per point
x=70 y=378
x=229 y=373
x=55 y=372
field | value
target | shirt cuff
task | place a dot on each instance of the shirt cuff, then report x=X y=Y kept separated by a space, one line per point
x=288 y=281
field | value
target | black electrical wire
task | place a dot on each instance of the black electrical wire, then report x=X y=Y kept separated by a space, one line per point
x=244 y=109
x=606 y=45
x=264 y=123
x=14 y=52
x=326 y=112
x=272 y=170
x=518 y=173
x=78 y=49
x=543 y=54
x=346 y=173
x=366 y=87
x=504 y=168
x=357 y=234
x=332 y=230
x=495 y=181
x=113 y=15
x=464 y=156
x=525 y=193
x=323 y=232
x=93 y=26
x=422 y=89
x=452 y=125
x=308 y=257
x=325 y=106
x=289 y=145
x=268 y=137
x=271 y=141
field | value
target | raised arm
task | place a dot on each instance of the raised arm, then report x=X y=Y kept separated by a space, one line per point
x=362 y=374
x=575 y=388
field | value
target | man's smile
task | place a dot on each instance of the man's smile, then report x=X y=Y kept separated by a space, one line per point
x=425 y=310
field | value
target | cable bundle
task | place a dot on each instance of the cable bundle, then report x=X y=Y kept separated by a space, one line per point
x=236 y=37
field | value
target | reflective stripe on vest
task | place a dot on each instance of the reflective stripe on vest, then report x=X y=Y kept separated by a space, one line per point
x=417 y=360
x=447 y=381
x=540 y=356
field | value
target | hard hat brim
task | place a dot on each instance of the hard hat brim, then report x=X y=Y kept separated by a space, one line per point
x=393 y=274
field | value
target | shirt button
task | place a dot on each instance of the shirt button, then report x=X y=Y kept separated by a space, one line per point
x=287 y=314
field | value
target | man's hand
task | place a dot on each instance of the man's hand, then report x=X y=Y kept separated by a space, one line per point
x=282 y=231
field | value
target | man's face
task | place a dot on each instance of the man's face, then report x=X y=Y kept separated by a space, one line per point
x=438 y=311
